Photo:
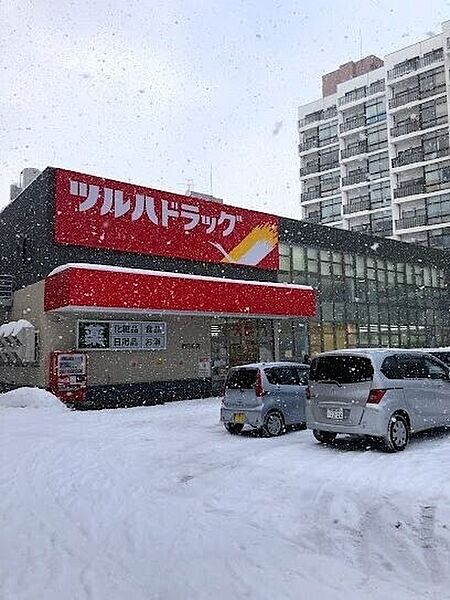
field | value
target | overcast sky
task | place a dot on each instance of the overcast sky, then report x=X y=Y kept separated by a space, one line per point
x=162 y=92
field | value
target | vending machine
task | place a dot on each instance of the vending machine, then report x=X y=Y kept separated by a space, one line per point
x=68 y=376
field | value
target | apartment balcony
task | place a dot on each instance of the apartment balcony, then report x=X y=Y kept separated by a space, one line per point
x=417 y=155
x=382 y=228
x=410 y=188
x=405 y=128
x=406 y=158
x=414 y=65
x=311 y=194
x=374 y=88
x=313 y=217
x=318 y=168
x=324 y=115
x=355 y=178
x=415 y=94
x=316 y=143
x=359 y=148
x=410 y=222
x=357 y=205
x=309 y=169
x=359 y=121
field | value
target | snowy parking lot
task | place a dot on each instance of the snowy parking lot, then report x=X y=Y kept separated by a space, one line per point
x=162 y=503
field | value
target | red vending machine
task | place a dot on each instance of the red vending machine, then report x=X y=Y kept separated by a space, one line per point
x=68 y=376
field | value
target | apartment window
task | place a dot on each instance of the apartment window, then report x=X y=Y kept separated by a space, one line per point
x=438 y=209
x=329 y=183
x=331 y=210
x=436 y=176
x=439 y=238
x=327 y=133
x=379 y=165
x=432 y=81
x=375 y=111
x=381 y=222
x=435 y=145
x=380 y=194
x=418 y=210
x=376 y=138
x=434 y=112
x=330 y=157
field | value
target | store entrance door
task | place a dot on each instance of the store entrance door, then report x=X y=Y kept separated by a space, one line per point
x=237 y=342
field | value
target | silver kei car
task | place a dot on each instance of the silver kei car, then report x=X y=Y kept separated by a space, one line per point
x=386 y=394
x=266 y=396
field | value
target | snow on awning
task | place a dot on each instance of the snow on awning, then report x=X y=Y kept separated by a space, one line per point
x=102 y=287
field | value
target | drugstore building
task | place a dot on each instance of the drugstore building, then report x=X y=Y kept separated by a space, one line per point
x=153 y=295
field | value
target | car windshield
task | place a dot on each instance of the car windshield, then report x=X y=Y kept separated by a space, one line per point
x=341 y=369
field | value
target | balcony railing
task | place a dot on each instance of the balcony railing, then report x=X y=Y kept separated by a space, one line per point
x=411 y=188
x=382 y=227
x=409 y=222
x=318 y=168
x=417 y=155
x=316 y=143
x=313 y=217
x=311 y=194
x=404 y=98
x=357 y=205
x=414 y=94
x=406 y=158
x=405 y=128
x=308 y=144
x=354 y=123
x=359 y=148
x=373 y=88
x=309 y=169
x=414 y=64
x=355 y=178
x=323 y=115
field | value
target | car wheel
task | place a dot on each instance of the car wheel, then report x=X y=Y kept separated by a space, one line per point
x=234 y=428
x=324 y=437
x=273 y=424
x=398 y=434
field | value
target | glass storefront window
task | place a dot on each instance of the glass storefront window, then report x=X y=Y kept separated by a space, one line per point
x=298 y=259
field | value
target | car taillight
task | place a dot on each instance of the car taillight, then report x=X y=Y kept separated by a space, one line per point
x=308 y=393
x=376 y=396
x=259 y=388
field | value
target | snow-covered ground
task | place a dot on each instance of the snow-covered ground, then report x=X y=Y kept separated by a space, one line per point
x=162 y=503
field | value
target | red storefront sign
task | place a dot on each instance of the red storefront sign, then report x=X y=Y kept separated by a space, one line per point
x=98 y=287
x=101 y=213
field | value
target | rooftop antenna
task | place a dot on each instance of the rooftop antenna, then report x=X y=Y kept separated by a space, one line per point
x=360 y=44
x=187 y=184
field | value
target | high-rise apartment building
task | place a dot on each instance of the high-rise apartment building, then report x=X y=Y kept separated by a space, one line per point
x=374 y=150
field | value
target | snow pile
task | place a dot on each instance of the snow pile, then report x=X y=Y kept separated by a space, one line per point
x=13 y=328
x=30 y=398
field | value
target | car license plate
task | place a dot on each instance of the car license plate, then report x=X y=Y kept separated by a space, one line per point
x=239 y=418
x=335 y=413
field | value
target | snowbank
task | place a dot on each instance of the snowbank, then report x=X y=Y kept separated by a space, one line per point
x=30 y=398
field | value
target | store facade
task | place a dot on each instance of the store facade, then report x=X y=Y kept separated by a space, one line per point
x=161 y=293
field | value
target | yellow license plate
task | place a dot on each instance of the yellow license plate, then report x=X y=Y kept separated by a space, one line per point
x=239 y=418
